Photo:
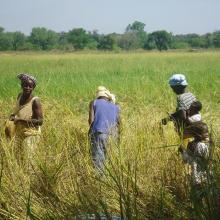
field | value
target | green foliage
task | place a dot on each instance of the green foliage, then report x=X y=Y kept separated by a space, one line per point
x=1 y=29
x=161 y=39
x=208 y=40
x=129 y=41
x=216 y=39
x=150 y=44
x=18 y=40
x=43 y=39
x=92 y=44
x=107 y=42
x=134 y=37
x=78 y=38
x=6 y=40
x=179 y=45
x=136 y=26
x=195 y=41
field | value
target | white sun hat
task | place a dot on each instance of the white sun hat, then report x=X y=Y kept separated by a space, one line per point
x=102 y=91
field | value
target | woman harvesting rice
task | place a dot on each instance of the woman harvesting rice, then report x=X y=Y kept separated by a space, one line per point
x=27 y=117
x=185 y=99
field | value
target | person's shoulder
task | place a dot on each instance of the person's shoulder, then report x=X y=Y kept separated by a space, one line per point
x=190 y=94
x=35 y=99
x=186 y=96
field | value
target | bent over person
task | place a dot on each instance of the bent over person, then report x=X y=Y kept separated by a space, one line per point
x=185 y=99
x=104 y=122
x=197 y=156
x=27 y=117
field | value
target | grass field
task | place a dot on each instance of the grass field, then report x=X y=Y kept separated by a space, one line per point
x=141 y=180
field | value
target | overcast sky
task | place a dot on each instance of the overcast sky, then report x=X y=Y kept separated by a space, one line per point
x=106 y=16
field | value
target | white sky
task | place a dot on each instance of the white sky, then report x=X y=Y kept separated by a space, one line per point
x=106 y=16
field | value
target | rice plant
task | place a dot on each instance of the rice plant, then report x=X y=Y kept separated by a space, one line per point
x=144 y=177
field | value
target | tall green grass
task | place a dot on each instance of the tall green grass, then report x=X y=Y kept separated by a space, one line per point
x=141 y=180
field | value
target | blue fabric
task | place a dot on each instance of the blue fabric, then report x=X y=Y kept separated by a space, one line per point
x=98 y=149
x=178 y=79
x=105 y=116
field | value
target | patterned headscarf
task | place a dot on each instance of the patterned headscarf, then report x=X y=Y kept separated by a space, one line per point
x=24 y=77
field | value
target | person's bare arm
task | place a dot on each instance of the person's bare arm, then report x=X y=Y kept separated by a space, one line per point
x=91 y=113
x=37 y=117
x=119 y=126
x=119 y=123
x=180 y=114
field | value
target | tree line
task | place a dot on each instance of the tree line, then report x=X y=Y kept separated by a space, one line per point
x=134 y=37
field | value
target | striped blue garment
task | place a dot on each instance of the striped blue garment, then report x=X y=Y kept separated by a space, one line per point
x=185 y=100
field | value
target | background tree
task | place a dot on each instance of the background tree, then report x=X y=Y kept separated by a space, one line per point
x=94 y=39
x=5 y=40
x=78 y=38
x=43 y=39
x=208 y=40
x=136 y=26
x=63 y=43
x=1 y=29
x=135 y=35
x=161 y=39
x=195 y=41
x=94 y=35
x=179 y=42
x=18 y=40
x=107 y=42
x=129 y=41
x=216 y=39
x=150 y=43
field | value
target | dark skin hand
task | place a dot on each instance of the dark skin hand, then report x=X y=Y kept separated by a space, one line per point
x=25 y=97
x=178 y=90
x=180 y=149
x=181 y=115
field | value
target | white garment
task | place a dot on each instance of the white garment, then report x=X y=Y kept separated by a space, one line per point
x=195 y=118
x=197 y=160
